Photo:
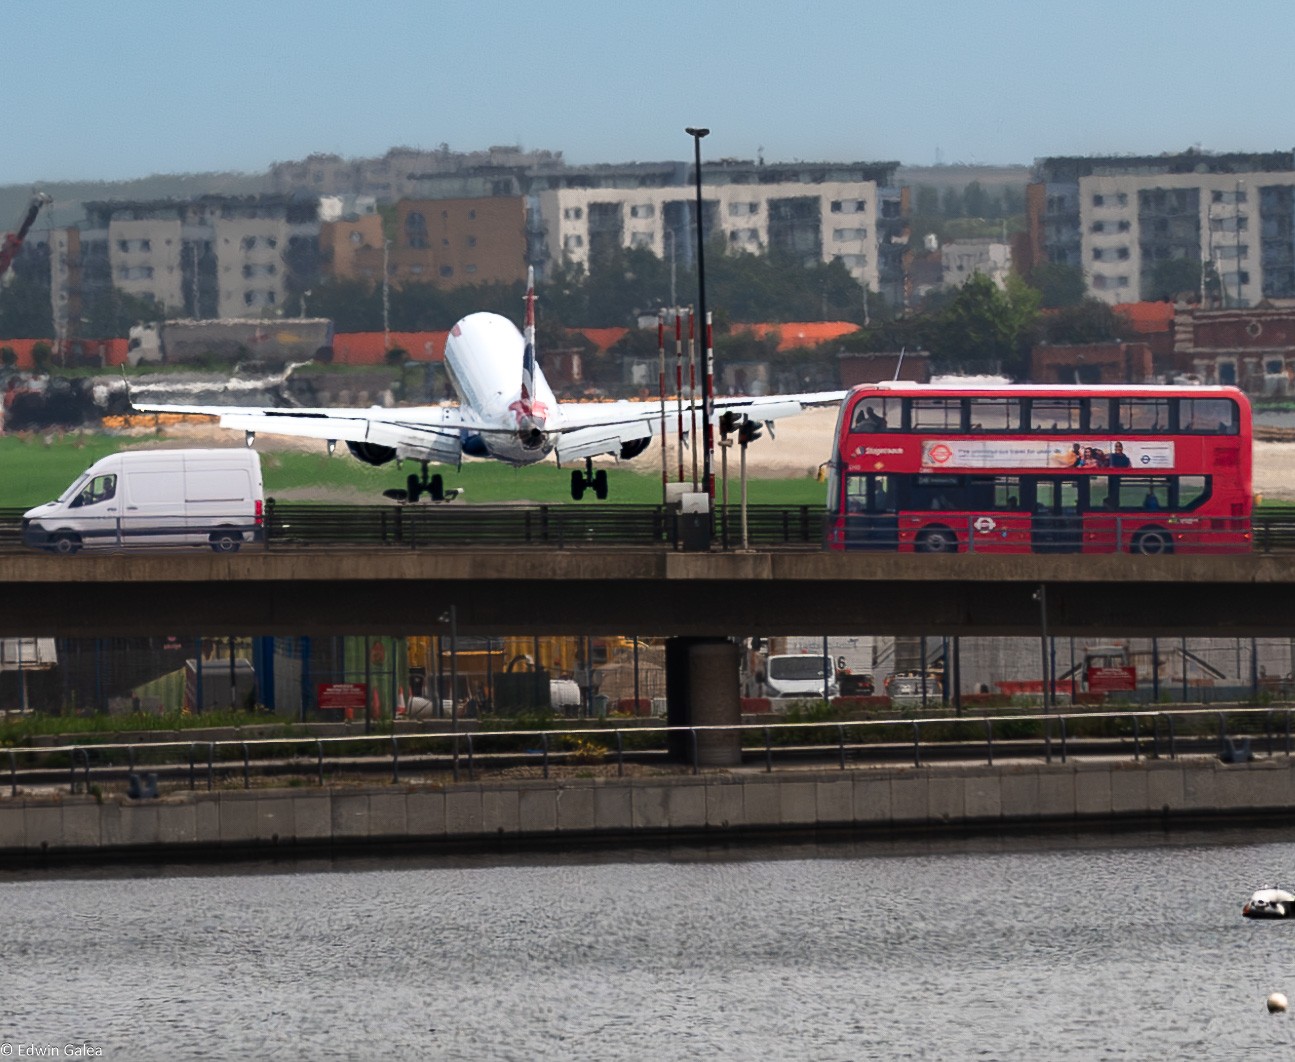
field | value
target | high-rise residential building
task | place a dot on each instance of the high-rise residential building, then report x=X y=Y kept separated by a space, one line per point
x=211 y=256
x=448 y=243
x=397 y=174
x=818 y=212
x=1121 y=220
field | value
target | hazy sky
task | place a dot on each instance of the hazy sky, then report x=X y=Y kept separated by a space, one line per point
x=102 y=90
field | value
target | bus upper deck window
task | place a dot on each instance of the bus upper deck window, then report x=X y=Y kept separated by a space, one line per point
x=1213 y=416
x=876 y=413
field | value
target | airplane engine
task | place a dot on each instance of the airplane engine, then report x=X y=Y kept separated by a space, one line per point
x=371 y=453
x=633 y=448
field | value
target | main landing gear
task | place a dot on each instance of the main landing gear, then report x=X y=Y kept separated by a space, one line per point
x=589 y=479
x=416 y=487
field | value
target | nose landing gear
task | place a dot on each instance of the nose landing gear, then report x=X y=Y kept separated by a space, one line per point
x=588 y=479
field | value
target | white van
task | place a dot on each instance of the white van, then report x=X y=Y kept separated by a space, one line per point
x=799 y=675
x=153 y=498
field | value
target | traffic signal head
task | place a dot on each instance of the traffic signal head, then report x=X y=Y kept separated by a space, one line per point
x=728 y=423
x=748 y=431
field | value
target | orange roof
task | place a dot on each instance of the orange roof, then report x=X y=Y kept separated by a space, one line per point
x=1147 y=316
x=368 y=348
x=794 y=334
x=602 y=338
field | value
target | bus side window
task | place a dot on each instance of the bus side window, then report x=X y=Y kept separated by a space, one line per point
x=1099 y=414
x=1007 y=493
x=1102 y=493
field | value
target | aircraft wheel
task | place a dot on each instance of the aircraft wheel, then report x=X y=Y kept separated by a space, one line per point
x=600 y=484
x=577 y=484
x=438 y=488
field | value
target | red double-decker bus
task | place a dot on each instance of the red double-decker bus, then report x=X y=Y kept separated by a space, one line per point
x=1041 y=469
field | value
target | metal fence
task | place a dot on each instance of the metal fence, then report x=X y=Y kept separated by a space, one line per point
x=1237 y=735
x=308 y=524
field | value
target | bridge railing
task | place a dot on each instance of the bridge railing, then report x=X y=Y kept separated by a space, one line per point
x=288 y=525
x=1234 y=735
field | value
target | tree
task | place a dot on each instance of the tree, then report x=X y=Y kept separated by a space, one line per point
x=1173 y=279
x=975 y=201
x=1058 y=284
x=985 y=328
x=353 y=305
x=112 y=313
x=25 y=311
x=1091 y=321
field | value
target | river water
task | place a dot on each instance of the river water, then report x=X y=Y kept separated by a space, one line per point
x=1127 y=946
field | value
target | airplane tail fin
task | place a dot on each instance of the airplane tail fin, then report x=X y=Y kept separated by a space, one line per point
x=528 y=353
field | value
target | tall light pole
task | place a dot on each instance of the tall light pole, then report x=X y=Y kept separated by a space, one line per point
x=707 y=475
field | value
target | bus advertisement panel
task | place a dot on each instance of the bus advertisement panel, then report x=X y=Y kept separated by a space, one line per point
x=1063 y=469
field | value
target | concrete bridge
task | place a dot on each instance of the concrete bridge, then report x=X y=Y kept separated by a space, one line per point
x=607 y=590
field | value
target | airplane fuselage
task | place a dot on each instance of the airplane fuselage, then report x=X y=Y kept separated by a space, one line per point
x=483 y=358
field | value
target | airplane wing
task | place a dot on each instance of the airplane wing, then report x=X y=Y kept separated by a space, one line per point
x=588 y=430
x=426 y=433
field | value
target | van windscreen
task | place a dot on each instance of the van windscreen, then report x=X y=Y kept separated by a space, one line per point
x=75 y=488
x=795 y=667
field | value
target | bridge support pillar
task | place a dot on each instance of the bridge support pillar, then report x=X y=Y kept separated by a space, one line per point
x=702 y=689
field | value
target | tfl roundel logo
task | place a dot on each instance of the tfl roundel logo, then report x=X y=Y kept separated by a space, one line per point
x=940 y=453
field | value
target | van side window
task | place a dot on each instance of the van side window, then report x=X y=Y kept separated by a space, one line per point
x=99 y=489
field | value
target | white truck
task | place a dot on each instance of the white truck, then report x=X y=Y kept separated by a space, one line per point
x=190 y=341
x=137 y=498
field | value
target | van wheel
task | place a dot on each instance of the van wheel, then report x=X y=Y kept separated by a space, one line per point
x=65 y=544
x=226 y=542
x=1152 y=542
x=937 y=540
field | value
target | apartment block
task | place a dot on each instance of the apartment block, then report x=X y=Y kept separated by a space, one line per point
x=212 y=256
x=1119 y=219
x=399 y=173
x=815 y=212
x=451 y=242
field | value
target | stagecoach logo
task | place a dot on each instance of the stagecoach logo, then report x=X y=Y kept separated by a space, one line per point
x=883 y=451
x=940 y=454
x=984 y=524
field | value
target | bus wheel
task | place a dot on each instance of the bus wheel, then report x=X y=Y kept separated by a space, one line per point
x=1152 y=542
x=937 y=540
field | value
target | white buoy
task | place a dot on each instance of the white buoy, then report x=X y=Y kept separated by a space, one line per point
x=1276 y=1003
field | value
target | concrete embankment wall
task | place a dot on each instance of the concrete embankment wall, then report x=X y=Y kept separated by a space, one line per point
x=719 y=805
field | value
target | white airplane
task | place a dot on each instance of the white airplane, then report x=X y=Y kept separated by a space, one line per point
x=506 y=411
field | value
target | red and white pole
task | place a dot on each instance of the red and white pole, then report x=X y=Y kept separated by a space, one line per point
x=678 y=386
x=660 y=350
x=709 y=411
x=692 y=392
